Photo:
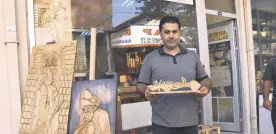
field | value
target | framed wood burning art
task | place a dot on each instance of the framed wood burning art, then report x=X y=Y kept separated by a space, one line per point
x=93 y=108
x=47 y=94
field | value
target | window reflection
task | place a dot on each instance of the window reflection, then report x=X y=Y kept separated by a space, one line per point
x=66 y=20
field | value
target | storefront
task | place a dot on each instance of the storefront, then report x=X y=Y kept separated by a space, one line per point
x=113 y=36
x=263 y=22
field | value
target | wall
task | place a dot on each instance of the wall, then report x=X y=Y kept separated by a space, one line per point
x=13 y=55
x=5 y=113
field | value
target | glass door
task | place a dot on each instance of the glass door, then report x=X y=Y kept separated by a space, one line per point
x=221 y=59
x=224 y=74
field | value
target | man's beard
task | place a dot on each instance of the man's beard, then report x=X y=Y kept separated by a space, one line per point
x=88 y=116
x=170 y=46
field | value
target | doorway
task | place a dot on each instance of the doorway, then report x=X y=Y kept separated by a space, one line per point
x=217 y=49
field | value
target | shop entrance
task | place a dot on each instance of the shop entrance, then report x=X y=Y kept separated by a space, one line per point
x=223 y=63
x=224 y=72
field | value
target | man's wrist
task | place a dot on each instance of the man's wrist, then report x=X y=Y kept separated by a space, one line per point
x=266 y=99
x=205 y=88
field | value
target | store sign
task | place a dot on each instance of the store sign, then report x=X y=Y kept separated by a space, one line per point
x=218 y=35
x=121 y=38
x=146 y=35
x=137 y=35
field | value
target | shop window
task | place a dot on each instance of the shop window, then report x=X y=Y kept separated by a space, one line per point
x=221 y=5
x=116 y=22
x=264 y=35
x=129 y=20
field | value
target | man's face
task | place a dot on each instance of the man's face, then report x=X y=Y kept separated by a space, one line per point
x=170 y=35
x=88 y=112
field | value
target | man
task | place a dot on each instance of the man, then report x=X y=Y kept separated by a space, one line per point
x=269 y=77
x=178 y=113
x=93 y=119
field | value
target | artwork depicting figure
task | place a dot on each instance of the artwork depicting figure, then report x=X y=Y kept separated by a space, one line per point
x=93 y=119
x=46 y=102
x=47 y=95
x=93 y=109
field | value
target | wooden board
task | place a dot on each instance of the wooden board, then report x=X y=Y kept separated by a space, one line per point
x=208 y=129
x=47 y=93
x=174 y=92
x=192 y=86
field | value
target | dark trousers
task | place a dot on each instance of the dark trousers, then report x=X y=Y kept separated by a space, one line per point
x=273 y=118
x=157 y=129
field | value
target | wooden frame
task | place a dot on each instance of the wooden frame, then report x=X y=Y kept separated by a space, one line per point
x=207 y=128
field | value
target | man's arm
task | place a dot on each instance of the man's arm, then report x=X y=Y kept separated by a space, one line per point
x=145 y=79
x=202 y=78
x=144 y=76
x=141 y=88
x=206 y=83
x=267 y=78
x=267 y=87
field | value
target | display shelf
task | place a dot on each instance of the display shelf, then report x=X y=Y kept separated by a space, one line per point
x=129 y=89
x=265 y=40
x=255 y=26
x=266 y=55
x=264 y=26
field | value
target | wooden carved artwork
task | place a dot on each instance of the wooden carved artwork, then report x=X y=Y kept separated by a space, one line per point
x=93 y=107
x=47 y=94
x=94 y=119
x=174 y=87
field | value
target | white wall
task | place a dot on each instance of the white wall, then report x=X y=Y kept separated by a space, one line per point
x=13 y=55
x=5 y=116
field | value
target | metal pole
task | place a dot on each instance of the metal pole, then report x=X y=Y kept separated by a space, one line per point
x=251 y=66
x=245 y=97
x=259 y=40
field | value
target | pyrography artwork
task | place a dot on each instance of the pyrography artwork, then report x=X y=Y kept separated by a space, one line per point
x=47 y=94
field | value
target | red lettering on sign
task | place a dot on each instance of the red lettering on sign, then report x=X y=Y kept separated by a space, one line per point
x=157 y=32
x=149 y=32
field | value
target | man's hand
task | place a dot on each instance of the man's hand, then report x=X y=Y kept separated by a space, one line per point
x=150 y=97
x=267 y=104
x=203 y=91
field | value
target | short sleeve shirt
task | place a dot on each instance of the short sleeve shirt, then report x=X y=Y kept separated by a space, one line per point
x=270 y=75
x=174 y=110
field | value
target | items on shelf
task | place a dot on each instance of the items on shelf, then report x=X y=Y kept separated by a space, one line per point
x=134 y=62
x=259 y=81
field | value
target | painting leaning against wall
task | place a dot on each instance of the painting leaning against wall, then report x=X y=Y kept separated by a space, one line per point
x=93 y=107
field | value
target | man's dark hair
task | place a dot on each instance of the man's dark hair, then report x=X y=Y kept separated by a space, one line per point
x=169 y=19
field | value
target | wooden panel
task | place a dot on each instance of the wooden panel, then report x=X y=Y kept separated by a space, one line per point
x=48 y=90
x=175 y=88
